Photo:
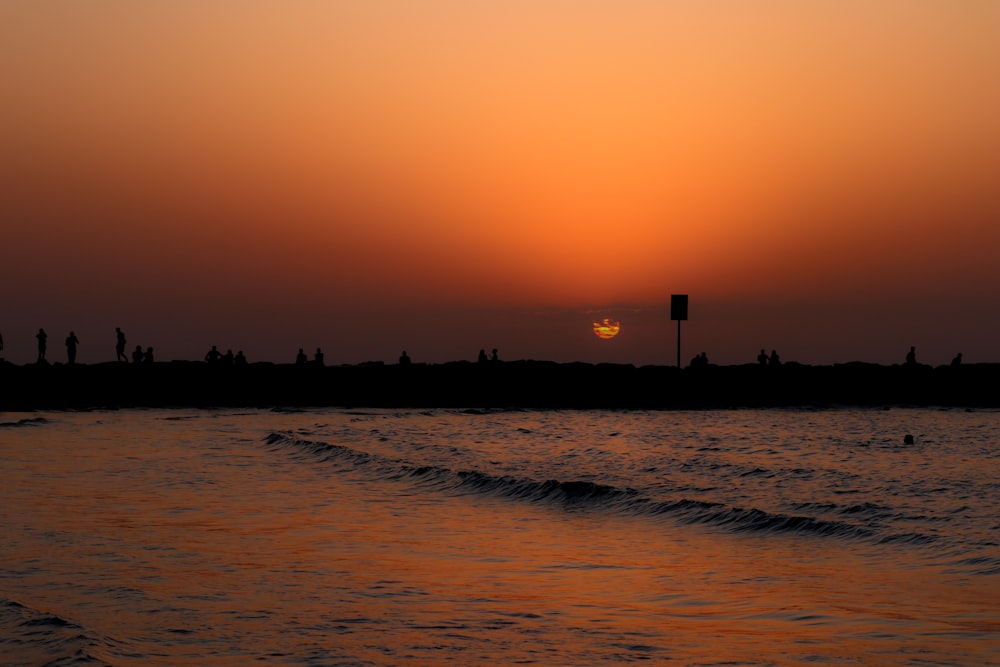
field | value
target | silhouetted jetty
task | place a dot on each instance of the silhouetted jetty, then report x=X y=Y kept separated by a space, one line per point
x=511 y=384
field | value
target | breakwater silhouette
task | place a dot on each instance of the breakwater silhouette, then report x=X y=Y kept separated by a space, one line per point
x=511 y=384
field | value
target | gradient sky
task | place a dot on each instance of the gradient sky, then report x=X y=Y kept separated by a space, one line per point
x=368 y=176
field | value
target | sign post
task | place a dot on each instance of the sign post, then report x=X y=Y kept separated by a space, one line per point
x=678 y=311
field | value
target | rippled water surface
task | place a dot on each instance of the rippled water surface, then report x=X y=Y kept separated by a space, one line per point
x=338 y=537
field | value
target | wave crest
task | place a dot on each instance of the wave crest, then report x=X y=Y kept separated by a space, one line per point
x=21 y=423
x=31 y=636
x=570 y=494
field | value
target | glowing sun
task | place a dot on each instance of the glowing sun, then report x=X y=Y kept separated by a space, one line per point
x=607 y=328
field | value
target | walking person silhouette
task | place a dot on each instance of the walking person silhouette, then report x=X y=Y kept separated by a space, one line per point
x=120 y=345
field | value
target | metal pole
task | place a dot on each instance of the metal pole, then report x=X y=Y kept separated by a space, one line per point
x=678 y=343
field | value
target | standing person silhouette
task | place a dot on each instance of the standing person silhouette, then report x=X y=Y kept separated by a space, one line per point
x=120 y=345
x=71 y=342
x=911 y=356
x=213 y=356
x=42 y=337
x=762 y=357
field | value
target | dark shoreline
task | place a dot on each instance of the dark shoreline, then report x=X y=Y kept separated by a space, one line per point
x=514 y=384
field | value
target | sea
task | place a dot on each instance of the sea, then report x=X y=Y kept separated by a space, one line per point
x=337 y=537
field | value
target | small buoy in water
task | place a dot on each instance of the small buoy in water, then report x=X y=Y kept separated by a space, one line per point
x=907 y=439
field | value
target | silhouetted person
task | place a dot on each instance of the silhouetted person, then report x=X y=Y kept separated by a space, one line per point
x=71 y=342
x=213 y=355
x=494 y=357
x=228 y=359
x=240 y=359
x=957 y=361
x=120 y=345
x=137 y=355
x=482 y=357
x=1 y=341
x=699 y=360
x=318 y=357
x=42 y=338
x=404 y=359
x=762 y=357
x=301 y=358
x=775 y=360
x=911 y=356
x=147 y=358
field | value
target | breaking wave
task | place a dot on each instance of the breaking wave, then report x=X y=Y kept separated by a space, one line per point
x=33 y=637
x=571 y=495
x=20 y=423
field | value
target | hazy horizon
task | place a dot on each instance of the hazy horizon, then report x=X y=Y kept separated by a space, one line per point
x=440 y=177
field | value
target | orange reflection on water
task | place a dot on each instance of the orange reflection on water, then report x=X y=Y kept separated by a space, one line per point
x=187 y=547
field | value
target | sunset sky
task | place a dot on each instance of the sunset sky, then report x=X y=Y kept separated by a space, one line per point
x=368 y=176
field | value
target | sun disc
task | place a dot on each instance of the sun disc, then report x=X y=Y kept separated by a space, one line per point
x=607 y=328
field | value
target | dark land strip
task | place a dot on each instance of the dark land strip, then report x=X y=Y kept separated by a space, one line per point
x=512 y=384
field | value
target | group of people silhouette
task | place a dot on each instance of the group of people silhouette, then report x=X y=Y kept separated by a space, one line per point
x=214 y=357
x=301 y=359
x=699 y=360
x=73 y=342
x=764 y=360
x=482 y=359
x=138 y=356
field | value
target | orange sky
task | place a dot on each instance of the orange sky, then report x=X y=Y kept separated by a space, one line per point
x=369 y=176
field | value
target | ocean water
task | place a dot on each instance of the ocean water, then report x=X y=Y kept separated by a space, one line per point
x=396 y=537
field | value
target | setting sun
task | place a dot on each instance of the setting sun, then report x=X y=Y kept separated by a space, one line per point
x=607 y=328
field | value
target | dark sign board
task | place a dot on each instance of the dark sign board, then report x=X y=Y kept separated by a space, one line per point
x=678 y=306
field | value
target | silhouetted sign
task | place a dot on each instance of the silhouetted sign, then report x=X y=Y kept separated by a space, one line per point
x=678 y=307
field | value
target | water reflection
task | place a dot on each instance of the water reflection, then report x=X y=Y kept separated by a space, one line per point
x=191 y=541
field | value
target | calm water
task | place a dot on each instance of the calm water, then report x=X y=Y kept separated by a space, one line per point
x=336 y=537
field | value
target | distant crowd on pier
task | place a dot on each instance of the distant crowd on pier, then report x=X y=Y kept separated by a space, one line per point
x=215 y=357
x=139 y=356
